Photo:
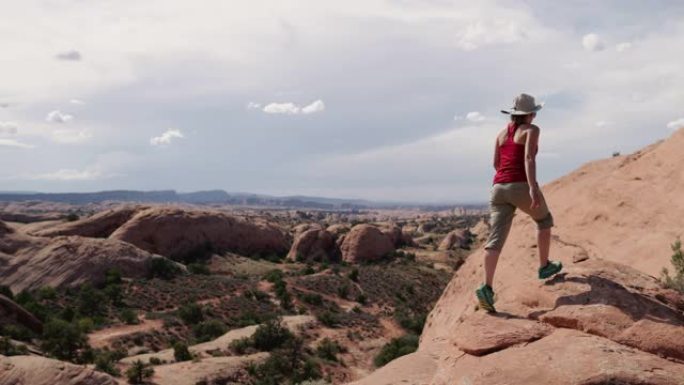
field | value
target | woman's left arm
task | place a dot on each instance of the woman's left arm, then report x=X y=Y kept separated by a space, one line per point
x=496 y=153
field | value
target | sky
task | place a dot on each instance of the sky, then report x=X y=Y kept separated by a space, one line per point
x=387 y=100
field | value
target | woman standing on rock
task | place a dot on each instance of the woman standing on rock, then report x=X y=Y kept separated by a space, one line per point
x=515 y=187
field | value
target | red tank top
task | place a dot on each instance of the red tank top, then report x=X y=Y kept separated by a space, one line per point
x=511 y=159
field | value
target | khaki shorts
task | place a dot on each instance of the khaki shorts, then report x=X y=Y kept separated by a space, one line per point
x=506 y=197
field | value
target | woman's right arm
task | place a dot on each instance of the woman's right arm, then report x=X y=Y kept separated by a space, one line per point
x=531 y=144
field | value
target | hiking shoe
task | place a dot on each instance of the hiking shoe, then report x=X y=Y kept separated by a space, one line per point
x=550 y=269
x=485 y=296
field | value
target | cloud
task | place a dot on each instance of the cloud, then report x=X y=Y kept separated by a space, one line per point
x=8 y=128
x=58 y=117
x=166 y=138
x=314 y=107
x=475 y=116
x=77 y=102
x=68 y=136
x=290 y=108
x=253 y=106
x=71 y=55
x=4 y=142
x=621 y=47
x=603 y=123
x=592 y=42
x=675 y=124
x=69 y=174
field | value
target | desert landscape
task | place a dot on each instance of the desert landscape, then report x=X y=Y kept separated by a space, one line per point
x=158 y=293
x=185 y=294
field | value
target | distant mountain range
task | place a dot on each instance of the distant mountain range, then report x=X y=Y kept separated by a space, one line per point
x=216 y=197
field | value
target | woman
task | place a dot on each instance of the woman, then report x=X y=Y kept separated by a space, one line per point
x=515 y=187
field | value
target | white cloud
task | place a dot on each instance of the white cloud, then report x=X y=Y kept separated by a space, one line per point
x=68 y=136
x=290 y=108
x=71 y=55
x=675 y=124
x=69 y=174
x=621 y=47
x=253 y=106
x=8 y=128
x=602 y=123
x=592 y=42
x=282 y=108
x=475 y=116
x=58 y=117
x=166 y=138
x=4 y=142
x=314 y=107
x=77 y=102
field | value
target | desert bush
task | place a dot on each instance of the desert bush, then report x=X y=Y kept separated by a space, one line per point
x=16 y=332
x=676 y=280
x=139 y=372
x=396 y=348
x=328 y=318
x=191 y=314
x=361 y=298
x=199 y=269
x=129 y=317
x=91 y=302
x=6 y=291
x=7 y=348
x=162 y=268
x=329 y=349
x=354 y=275
x=288 y=365
x=241 y=345
x=62 y=339
x=105 y=361
x=181 y=352
x=411 y=323
x=72 y=217
x=46 y=293
x=312 y=299
x=274 y=276
x=343 y=291
x=156 y=361
x=270 y=335
x=208 y=330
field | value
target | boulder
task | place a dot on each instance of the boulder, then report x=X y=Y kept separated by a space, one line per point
x=32 y=370
x=178 y=233
x=365 y=243
x=314 y=245
x=480 y=230
x=338 y=230
x=456 y=239
x=70 y=261
x=100 y=225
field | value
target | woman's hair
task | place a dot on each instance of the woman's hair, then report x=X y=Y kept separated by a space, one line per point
x=519 y=119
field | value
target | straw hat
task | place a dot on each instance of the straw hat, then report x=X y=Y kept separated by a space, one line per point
x=524 y=104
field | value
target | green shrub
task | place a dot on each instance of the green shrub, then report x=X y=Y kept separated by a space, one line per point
x=312 y=299
x=6 y=291
x=86 y=324
x=270 y=335
x=139 y=372
x=241 y=345
x=396 y=348
x=329 y=349
x=328 y=318
x=199 y=269
x=411 y=323
x=7 y=348
x=162 y=268
x=72 y=217
x=343 y=291
x=129 y=317
x=274 y=276
x=191 y=314
x=308 y=270
x=62 y=339
x=46 y=293
x=105 y=361
x=17 y=332
x=155 y=361
x=91 y=302
x=361 y=298
x=288 y=365
x=208 y=330
x=354 y=275
x=181 y=352
x=675 y=281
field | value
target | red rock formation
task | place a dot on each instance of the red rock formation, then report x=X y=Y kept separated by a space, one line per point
x=365 y=243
